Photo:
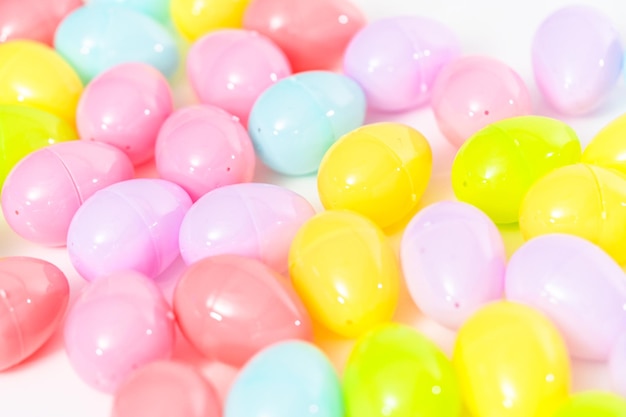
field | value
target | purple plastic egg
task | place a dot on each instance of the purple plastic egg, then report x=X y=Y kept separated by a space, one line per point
x=119 y=323
x=617 y=365
x=254 y=220
x=396 y=60
x=43 y=191
x=202 y=148
x=453 y=260
x=131 y=225
x=577 y=58
x=577 y=285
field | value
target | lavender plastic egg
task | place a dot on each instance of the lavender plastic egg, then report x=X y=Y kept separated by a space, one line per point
x=131 y=225
x=617 y=365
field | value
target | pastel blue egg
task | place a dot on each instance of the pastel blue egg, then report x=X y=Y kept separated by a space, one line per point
x=157 y=9
x=287 y=379
x=97 y=37
x=294 y=122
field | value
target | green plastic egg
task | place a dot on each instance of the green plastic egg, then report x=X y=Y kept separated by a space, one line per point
x=593 y=404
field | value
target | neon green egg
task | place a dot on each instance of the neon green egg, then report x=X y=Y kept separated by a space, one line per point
x=26 y=129
x=494 y=169
x=395 y=371
x=593 y=404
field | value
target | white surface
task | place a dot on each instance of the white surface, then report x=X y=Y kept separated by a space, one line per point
x=46 y=385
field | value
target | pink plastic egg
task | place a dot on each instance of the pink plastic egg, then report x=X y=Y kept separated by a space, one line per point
x=118 y=324
x=453 y=259
x=475 y=91
x=231 y=68
x=396 y=60
x=230 y=307
x=33 y=297
x=33 y=19
x=43 y=191
x=202 y=148
x=254 y=220
x=166 y=388
x=577 y=285
x=132 y=225
x=577 y=58
x=125 y=106
x=313 y=34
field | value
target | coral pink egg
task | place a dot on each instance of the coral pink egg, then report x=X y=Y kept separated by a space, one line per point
x=33 y=297
x=166 y=388
x=313 y=34
x=53 y=182
x=475 y=91
x=118 y=324
x=230 y=307
x=202 y=148
x=231 y=68
x=125 y=106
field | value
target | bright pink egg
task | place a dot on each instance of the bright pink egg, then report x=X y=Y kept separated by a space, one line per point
x=231 y=68
x=202 y=148
x=230 y=307
x=125 y=106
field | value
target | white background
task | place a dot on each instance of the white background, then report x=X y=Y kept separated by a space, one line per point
x=46 y=385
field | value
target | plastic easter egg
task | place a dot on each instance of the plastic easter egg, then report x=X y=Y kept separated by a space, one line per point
x=26 y=129
x=395 y=371
x=131 y=225
x=202 y=148
x=156 y=9
x=608 y=148
x=345 y=272
x=230 y=307
x=118 y=324
x=291 y=378
x=35 y=75
x=34 y=295
x=166 y=388
x=194 y=18
x=125 y=106
x=473 y=92
x=294 y=122
x=596 y=404
x=231 y=68
x=313 y=34
x=453 y=259
x=389 y=186
x=582 y=200
x=53 y=182
x=617 y=364
x=577 y=58
x=94 y=38
x=511 y=361
x=565 y=277
x=397 y=59
x=496 y=167
x=33 y=19
x=254 y=220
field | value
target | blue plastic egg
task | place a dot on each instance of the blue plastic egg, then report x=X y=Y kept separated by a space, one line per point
x=157 y=9
x=97 y=37
x=294 y=122
x=287 y=379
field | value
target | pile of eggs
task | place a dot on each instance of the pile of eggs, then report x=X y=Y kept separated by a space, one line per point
x=102 y=160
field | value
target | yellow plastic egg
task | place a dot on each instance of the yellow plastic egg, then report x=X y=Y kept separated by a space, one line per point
x=34 y=75
x=379 y=170
x=582 y=200
x=194 y=18
x=511 y=362
x=608 y=148
x=345 y=272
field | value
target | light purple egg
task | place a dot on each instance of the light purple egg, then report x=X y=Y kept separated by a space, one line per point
x=396 y=60
x=577 y=285
x=453 y=260
x=131 y=225
x=617 y=365
x=252 y=219
x=577 y=58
